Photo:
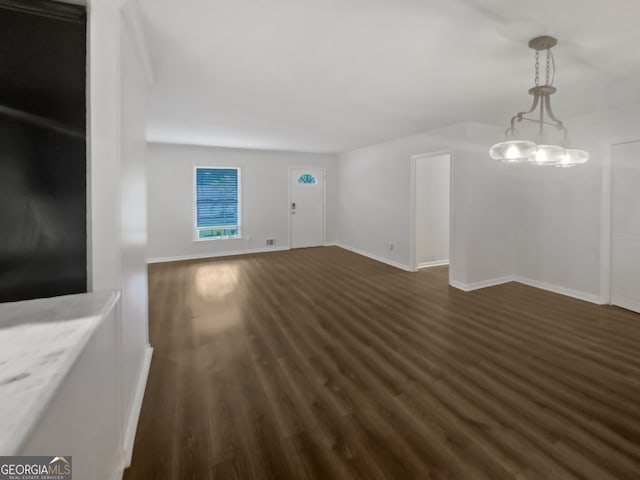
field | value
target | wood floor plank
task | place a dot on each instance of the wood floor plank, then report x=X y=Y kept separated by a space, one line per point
x=323 y=364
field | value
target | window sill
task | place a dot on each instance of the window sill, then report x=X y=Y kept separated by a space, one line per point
x=208 y=239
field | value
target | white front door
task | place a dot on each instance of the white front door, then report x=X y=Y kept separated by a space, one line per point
x=306 y=207
x=625 y=226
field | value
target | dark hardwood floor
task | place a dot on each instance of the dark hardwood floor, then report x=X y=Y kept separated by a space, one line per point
x=322 y=364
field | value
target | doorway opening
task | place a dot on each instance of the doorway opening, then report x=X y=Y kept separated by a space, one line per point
x=625 y=226
x=430 y=216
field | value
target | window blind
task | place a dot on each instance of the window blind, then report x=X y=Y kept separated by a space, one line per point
x=216 y=197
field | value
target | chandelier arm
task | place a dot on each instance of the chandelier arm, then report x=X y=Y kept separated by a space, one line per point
x=541 y=129
x=520 y=116
x=565 y=136
x=537 y=121
x=547 y=104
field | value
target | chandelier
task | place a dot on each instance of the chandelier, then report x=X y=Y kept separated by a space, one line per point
x=549 y=146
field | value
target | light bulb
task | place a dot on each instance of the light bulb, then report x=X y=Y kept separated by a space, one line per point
x=548 y=155
x=566 y=161
x=573 y=157
x=513 y=152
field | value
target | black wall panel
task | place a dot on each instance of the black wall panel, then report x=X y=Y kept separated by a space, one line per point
x=43 y=174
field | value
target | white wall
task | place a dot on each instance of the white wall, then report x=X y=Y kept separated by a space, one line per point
x=433 y=177
x=103 y=170
x=116 y=198
x=488 y=196
x=374 y=193
x=133 y=220
x=104 y=26
x=265 y=198
x=374 y=199
x=562 y=232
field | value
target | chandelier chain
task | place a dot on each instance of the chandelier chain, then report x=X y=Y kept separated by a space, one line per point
x=548 y=72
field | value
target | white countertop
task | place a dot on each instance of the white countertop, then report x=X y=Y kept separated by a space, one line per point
x=40 y=341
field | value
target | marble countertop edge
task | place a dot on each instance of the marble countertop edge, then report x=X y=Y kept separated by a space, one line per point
x=86 y=314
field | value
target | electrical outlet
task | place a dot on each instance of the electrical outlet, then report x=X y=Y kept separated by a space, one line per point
x=390 y=246
x=271 y=241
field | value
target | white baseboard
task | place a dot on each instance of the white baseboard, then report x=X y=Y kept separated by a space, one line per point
x=468 y=287
x=436 y=263
x=625 y=302
x=587 y=297
x=399 y=265
x=132 y=424
x=199 y=256
x=569 y=292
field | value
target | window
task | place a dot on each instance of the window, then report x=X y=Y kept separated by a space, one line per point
x=217 y=203
x=307 y=178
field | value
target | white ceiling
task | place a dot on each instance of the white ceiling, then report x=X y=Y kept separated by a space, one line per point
x=334 y=75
